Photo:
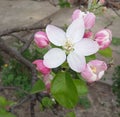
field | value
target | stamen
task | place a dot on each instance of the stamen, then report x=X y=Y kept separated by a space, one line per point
x=68 y=47
x=93 y=69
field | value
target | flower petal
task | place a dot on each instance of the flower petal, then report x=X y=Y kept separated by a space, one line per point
x=100 y=75
x=54 y=58
x=55 y=35
x=86 y=47
x=76 y=30
x=76 y=62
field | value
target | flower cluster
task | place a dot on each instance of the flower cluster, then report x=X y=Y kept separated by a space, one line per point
x=73 y=46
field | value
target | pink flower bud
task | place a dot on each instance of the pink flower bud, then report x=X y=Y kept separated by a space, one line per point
x=41 y=67
x=41 y=39
x=47 y=80
x=103 y=38
x=88 y=34
x=76 y=14
x=94 y=70
x=89 y=18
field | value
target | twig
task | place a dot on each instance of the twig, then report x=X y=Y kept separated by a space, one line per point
x=27 y=44
x=40 y=25
x=9 y=88
x=17 y=37
x=116 y=12
x=32 y=105
x=15 y=54
x=109 y=24
x=19 y=104
x=18 y=29
x=13 y=88
x=52 y=3
x=108 y=3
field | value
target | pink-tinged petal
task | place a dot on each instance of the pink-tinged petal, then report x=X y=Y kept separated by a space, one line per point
x=86 y=47
x=76 y=30
x=88 y=75
x=41 y=39
x=94 y=70
x=100 y=65
x=89 y=20
x=54 y=58
x=100 y=75
x=76 y=14
x=103 y=38
x=41 y=43
x=76 y=62
x=40 y=34
x=55 y=35
x=41 y=67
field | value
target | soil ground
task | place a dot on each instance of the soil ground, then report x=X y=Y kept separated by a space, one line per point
x=102 y=104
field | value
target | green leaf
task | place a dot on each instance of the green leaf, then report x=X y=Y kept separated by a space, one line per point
x=91 y=57
x=63 y=3
x=81 y=86
x=47 y=102
x=64 y=90
x=7 y=115
x=70 y=114
x=4 y=113
x=106 y=52
x=38 y=86
x=116 y=41
x=3 y=102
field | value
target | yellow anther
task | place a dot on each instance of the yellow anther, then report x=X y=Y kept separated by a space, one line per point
x=93 y=69
x=68 y=46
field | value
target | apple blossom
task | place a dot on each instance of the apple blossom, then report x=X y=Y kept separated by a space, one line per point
x=41 y=67
x=103 y=38
x=70 y=44
x=94 y=70
x=41 y=39
x=89 y=18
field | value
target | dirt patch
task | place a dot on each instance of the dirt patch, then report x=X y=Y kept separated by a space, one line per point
x=102 y=101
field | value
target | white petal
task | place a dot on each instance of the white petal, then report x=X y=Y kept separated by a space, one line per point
x=86 y=47
x=54 y=58
x=76 y=62
x=55 y=35
x=76 y=30
x=100 y=74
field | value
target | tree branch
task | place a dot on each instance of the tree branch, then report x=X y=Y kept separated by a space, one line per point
x=19 y=38
x=15 y=54
x=40 y=25
x=27 y=44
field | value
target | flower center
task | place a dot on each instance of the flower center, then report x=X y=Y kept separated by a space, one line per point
x=93 y=69
x=68 y=47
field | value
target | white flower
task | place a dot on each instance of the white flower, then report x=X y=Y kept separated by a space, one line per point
x=71 y=44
